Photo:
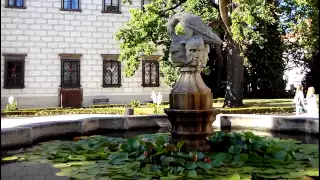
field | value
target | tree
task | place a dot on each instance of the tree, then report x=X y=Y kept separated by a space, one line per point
x=146 y=30
x=265 y=61
x=301 y=21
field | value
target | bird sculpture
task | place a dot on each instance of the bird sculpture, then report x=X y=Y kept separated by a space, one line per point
x=193 y=25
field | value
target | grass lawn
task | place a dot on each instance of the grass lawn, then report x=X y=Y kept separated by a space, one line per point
x=262 y=103
x=248 y=103
x=255 y=104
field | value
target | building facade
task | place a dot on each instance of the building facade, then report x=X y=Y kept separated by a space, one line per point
x=64 y=51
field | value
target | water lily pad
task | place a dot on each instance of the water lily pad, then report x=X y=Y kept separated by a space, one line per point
x=233 y=177
x=312 y=172
x=265 y=171
x=191 y=166
x=82 y=176
x=133 y=143
x=204 y=165
x=191 y=174
x=245 y=169
x=63 y=173
x=298 y=174
x=170 y=177
x=166 y=160
x=245 y=176
x=93 y=171
x=12 y=158
x=61 y=165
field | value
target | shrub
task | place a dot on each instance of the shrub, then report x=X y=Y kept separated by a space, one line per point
x=107 y=106
x=258 y=110
x=134 y=103
x=12 y=104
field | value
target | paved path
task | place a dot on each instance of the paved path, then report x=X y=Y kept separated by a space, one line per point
x=18 y=121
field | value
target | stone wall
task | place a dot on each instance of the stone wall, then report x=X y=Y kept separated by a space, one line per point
x=43 y=31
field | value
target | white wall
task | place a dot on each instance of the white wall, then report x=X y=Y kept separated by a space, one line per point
x=43 y=31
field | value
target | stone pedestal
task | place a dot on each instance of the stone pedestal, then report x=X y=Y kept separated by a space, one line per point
x=191 y=114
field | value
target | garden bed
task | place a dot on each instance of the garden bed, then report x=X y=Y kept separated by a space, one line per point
x=138 y=111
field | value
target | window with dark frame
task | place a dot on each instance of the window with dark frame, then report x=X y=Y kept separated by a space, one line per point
x=150 y=73
x=70 y=73
x=70 y=70
x=111 y=73
x=70 y=5
x=15 y=3
x=111 y=6
x=14 y=71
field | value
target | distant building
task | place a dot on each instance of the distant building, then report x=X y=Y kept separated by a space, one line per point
x=53 y=50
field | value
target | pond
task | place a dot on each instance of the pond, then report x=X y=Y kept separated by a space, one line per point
x=24 y=171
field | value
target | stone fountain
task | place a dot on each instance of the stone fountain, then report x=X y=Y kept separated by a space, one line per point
x=190 y=113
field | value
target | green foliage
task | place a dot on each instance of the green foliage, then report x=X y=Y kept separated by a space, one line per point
x=265 y=62
x=247 y=17
x=258 y=110
x=107 y=105
x=296 y=15
x=135 y=103
x=154 y=109
x=13 y=106
x=146 y=30
x=234 y=156
x=60 y=111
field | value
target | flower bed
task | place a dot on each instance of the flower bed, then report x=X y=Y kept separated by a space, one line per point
x=61 y=111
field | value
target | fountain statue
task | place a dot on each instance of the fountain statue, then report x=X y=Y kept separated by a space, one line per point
x=190 y=113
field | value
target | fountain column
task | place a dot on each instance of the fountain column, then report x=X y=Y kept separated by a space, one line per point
x=190 y=112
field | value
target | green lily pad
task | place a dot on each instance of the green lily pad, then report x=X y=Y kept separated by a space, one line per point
x=166 y=160
x=233 y=177
x=191 y=166
x=311 y=172
x=298 y=174
x=12 y=158
x=63 y=173
x=105 y=178
x=82 y=176
x=61 y=165
x=204 y=165
x=191 y=174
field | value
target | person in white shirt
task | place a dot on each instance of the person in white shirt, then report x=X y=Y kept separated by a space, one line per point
x=299 y=100
x=312 y=107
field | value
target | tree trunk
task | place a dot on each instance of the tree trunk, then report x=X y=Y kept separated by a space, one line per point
x=219 y=66
x=235 y=70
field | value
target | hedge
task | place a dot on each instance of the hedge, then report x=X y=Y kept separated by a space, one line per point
x=61 y=111
x=107 y=106
x=259 y=110
x=64 y=111
x=147 y=104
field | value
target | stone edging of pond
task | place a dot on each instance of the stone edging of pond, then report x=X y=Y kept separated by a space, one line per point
x=308 y=125
x=30 y=133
